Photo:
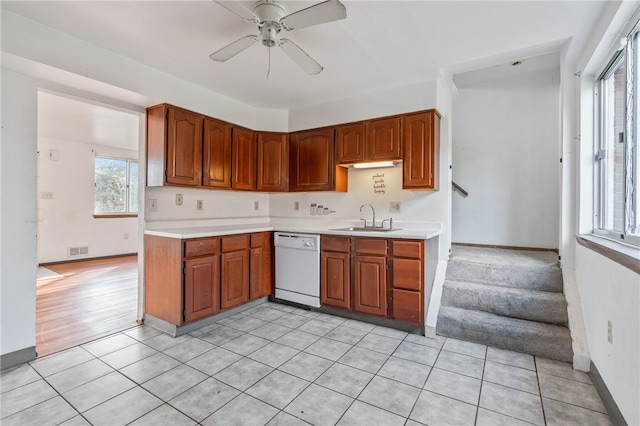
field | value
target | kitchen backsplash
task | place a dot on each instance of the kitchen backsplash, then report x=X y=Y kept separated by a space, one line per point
x=380 y=187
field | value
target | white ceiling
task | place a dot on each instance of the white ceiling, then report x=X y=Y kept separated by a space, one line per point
x=61 y=117
x=380 y=45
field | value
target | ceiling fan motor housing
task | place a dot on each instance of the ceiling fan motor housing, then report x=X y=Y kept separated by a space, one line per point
x=270 y=14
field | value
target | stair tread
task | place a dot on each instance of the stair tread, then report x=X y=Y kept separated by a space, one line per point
x=547 y=295
x=541 y=339
x=504 y=257
x=522 y=324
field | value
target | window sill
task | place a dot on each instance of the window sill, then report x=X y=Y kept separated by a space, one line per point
x=113 y=216
x=625 y=255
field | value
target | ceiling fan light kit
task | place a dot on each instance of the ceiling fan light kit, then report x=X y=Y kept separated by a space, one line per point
x=271 y=18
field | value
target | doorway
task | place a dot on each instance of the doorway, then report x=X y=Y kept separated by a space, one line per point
x=88 y=232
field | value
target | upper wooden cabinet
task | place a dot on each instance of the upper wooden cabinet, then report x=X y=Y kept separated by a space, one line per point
x=421 y=139
x=188 y=149
x=216 y=154
x=383 y=139
x=174 y=147
x=243 y=159
x=273 y=162
x=350 y=143
x=312 y=164
x=372 y=140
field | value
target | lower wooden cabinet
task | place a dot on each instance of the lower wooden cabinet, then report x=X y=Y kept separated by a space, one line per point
x=370 y=284
x=201 y=287
x=235 y=279
x=335 y=279
x=187 y=280
x=260 y=266
x=407 y=280
x=374 y=276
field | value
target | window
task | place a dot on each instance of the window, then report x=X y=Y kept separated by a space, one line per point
x=116 y=186
x=618 y=162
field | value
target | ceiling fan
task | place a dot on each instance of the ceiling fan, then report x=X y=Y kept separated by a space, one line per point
x=271 y=18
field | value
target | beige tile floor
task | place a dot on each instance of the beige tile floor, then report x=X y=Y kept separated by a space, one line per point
x=279 y=365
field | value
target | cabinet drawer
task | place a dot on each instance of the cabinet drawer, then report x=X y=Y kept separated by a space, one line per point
x=339 y=244
x=235 y=243
x=407 y=274
x=407 y=248
x=407 y=306
x=371 y=246
x=260 y=239
x=201 y=247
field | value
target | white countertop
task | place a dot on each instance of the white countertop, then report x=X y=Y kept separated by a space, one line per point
x=409 y=230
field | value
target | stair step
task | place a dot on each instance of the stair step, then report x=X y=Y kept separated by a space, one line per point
x=531 y=270
x=546 y=340
x=519 y=303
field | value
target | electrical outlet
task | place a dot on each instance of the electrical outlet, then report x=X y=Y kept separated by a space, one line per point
x=610 y=331
x=126 y=235
x=199 y=205
x=395 y=206
x=178 y=199
x=153 y=205
x=296 y=206
x=256 y=205
x=46 y=195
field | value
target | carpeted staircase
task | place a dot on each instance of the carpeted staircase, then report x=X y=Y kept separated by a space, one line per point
x=510 y=299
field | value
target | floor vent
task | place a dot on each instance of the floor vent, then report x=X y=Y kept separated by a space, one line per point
x=78 y=251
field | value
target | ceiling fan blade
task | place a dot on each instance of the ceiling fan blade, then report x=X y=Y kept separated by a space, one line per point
x=331 y=10
x=240 y=10
x=231 y=50
x=300 y=57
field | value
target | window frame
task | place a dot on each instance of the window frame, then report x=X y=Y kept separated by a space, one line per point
x=127 y=212
x=630 y=53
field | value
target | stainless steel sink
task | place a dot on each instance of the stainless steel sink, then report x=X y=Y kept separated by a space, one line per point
x=362 y=229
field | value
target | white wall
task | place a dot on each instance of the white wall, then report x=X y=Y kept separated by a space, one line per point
x=18 y=213
x=414 y=204
x=610 y=292
x=217 y=204
x=67 y=219
x=410 y=98
x=506 y=155
x=607 y=290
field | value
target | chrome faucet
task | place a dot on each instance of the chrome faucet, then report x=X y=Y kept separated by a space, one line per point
x=373 y=225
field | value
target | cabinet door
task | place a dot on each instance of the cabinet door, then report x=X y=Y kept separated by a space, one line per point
x=260 y=270
x=335 y=279
x=408 y=306
x=383 y=139
x=201 y=287
x=407 y=274
x=216 y=162
x=234 y=279
x=421 y=139
x=243 y=154
x=312 y=163
x=184 y=147
x=350 y=143
x=273 y=162
x=370 y=283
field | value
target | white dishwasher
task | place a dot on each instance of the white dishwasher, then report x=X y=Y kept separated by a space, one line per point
x=298 y=268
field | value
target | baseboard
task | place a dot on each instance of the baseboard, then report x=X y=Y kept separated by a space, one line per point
x=555 y=250
x=615 y=415
x=18 y=357
x=113 y=256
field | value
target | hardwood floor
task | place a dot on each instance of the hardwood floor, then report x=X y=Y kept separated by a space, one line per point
x=94 y=298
